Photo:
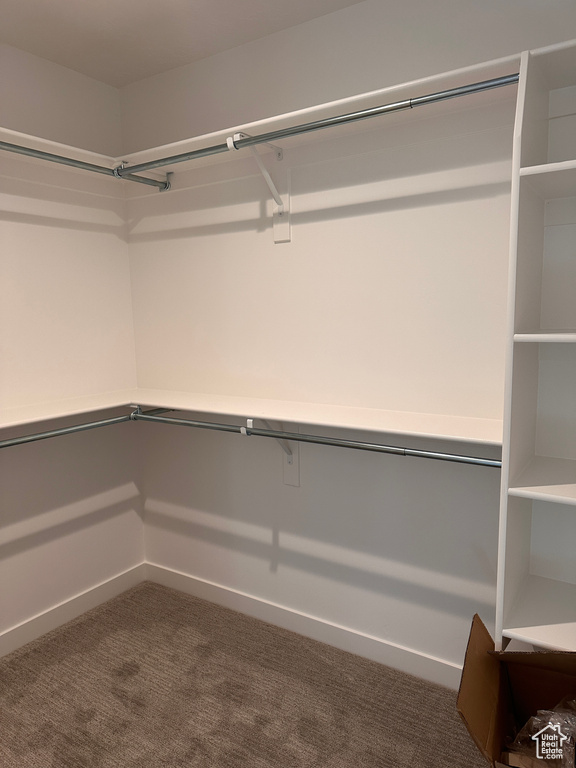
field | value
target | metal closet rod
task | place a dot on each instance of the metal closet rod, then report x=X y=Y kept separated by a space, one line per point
x=154 y=416
x=76 y=428
x=317 y=439
x=329 y=122
x=61 y=160
x=129 y=173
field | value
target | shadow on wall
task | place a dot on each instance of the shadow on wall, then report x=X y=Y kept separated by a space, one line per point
x=454 y=158
x=54 y=487
x=263 y=221
x=38 y=194
x=423 y=532
x=406 y=583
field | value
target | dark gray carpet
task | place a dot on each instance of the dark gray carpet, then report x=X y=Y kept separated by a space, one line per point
x=158 y=679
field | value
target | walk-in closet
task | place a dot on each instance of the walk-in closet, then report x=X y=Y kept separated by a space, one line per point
x=305 y=350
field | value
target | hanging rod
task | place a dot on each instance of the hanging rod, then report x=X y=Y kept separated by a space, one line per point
x=328 y=122
x=137 y=415
x=63 y=431
x=76 y=428
x=61 y=160
x=154 y=416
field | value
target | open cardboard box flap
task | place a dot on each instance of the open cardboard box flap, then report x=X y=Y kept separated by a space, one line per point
x=501 y=690
x=479 y=694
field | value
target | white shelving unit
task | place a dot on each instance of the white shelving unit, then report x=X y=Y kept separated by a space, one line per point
x=537 y=567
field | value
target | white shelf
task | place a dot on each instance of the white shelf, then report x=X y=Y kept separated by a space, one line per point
x=412 y=89
x=544 y=614
x=558 y=63
x=547 y=479
x=57 y=409
x=547 y=337
x=562 y=493
x=426 y=425
x=560 y=637
x=442 y=427
x=552 y=180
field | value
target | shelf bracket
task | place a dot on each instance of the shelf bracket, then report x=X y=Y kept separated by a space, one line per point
x=247 y=431
x=281 y=216
x=284 y=444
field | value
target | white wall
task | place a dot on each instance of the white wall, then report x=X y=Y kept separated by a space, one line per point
x=47 y=100
x=66 y=325
x=69 y=507
x=69 y=522
x=401 y=552
x=368 y=46
x=391 y=295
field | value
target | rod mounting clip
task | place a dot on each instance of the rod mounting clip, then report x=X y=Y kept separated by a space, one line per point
x=135 y=413
x=246 y=430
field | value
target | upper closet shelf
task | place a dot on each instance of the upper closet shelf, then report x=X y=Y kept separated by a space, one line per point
x=420 y=425
x=477 y=82
x=59 y=409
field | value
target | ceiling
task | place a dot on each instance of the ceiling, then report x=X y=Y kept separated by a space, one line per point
x=121 y=41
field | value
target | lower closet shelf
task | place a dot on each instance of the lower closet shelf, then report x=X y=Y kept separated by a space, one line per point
x=547 y=479
x=427 y=425
x=544 y=614
x=559 y=637
x=484 y=432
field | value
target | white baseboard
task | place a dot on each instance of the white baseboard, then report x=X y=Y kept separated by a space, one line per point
x=29 y=630
x=405 y=659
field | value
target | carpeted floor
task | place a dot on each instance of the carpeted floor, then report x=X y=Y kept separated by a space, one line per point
x=159 y=679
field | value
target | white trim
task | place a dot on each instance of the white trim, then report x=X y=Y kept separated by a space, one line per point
x=399 y=657
x=38 y=625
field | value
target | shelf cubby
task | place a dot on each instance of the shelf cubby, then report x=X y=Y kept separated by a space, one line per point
x=540 y=574
x=549 y=126
x=547 y=479
x=543 y=422
x=546 y=267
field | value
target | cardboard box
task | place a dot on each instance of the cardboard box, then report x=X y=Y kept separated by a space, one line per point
x=501 y=690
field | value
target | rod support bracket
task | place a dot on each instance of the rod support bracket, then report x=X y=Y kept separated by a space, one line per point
x=284 y=444
x=281 y=216
x=122 y=171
